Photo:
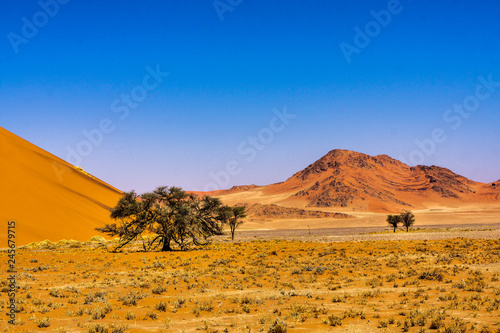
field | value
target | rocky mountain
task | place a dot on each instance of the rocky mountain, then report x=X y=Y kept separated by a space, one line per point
x=274 y=211
x=350 y=180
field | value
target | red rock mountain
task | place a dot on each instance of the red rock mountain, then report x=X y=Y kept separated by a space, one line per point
x=348 y=180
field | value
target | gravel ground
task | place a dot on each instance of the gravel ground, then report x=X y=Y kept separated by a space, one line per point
x=429 y=232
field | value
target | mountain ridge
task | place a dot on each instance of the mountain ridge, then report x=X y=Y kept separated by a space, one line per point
x=352 y=180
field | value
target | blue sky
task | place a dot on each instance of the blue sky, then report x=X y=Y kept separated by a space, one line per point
x=212 y=121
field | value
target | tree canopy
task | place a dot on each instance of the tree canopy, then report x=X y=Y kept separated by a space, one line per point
x=394 y=221
x=169 y=216
x=232 y=216
x=406 y=218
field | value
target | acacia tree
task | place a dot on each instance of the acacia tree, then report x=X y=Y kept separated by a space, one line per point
x=394 y=221
x=232 y=216
x=407 y=219
x=169 y=214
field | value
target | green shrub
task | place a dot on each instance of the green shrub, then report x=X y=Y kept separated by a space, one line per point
x=43 y=322
x=334 y=320
x=278 y=326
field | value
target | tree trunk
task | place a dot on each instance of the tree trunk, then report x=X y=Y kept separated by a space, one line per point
x=394 y=229
x=232 y=234
x=166 y=245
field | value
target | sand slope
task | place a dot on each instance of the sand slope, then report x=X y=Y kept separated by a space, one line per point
x=48 y=197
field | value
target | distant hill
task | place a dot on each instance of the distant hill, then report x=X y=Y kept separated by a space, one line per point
x=348 y=180
x=275 y=211
x=48 y=197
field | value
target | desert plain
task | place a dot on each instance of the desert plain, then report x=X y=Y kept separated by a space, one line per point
x=315 y=254
x=428 y=280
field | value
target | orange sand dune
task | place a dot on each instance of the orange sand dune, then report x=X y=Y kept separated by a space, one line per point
x=48 y=197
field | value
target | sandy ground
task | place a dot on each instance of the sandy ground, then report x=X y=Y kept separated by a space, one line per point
x=265 y=281
x=473 y=214
x=429 y=232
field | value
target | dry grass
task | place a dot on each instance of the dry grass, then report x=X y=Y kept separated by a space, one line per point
x=442 y=285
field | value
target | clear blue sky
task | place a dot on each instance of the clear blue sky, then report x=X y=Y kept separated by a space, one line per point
x=228 y=78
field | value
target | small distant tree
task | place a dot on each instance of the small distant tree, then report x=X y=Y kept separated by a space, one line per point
x=169 y=215
x=232 y=216
x=394 y=221
x=407 y=219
